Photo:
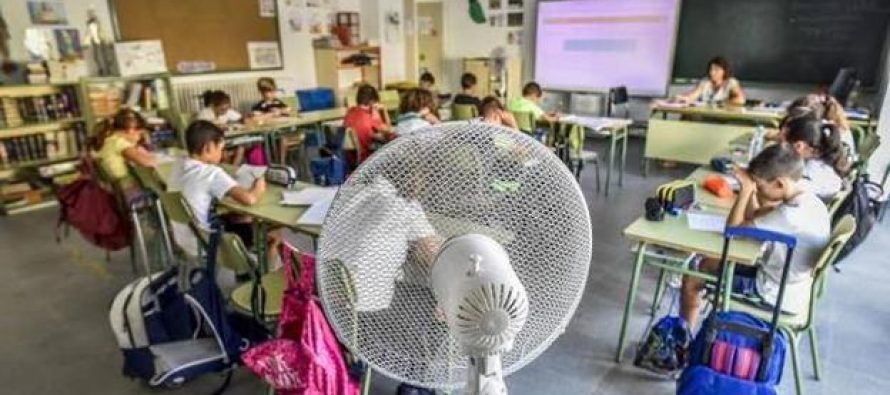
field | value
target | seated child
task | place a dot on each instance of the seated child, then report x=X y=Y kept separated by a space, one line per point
x=270 y=107
x=819 y=145
x=771 y=198
x=529 y=102
x=201 y=181
x=218 y=110
x=121 y=140
x=368 y=119
x=416 y=111
x=468 y=95
x=427 y=81
x=493 y=112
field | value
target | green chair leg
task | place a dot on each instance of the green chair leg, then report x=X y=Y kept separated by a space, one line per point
x=659 y=292
x=631 y=294
x=366 y=381
x=814 y=353
x=794 y=341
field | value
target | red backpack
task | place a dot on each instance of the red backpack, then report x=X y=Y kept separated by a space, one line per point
x=93 y=210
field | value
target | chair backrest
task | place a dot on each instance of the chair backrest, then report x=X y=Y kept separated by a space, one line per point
x=618 y=99
x=232 y=251
x=835 y=203
x=390 y=99
x=462 y=112
x=148 y=178
x=525 y=121
x=351 y=100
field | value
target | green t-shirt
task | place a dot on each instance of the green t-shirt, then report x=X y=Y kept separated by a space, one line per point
x=522 y=104
x=111 y=157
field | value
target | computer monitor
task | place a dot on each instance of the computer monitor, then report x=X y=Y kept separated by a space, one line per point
x=845 y=82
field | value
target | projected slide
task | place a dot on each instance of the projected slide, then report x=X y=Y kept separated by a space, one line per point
x=593 y=45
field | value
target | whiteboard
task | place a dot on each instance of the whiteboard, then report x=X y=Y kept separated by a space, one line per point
x=593 y=45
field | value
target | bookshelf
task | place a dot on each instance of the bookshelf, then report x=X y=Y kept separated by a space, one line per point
x=150 y=94
x=42 y=135
x=333 y=68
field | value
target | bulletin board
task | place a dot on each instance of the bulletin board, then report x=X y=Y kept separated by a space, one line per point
x=198 y=30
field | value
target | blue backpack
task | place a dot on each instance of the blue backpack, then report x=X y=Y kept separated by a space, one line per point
x=167 y=335
x=665 y=347
x=328 y=171
x=736 y=353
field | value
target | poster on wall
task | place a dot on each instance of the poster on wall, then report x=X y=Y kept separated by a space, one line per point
x=140 y=57
x=263 y=55
x=47 y=12
x=68 y=44
x=267 y=8
x=494 y=5
x=514 y=19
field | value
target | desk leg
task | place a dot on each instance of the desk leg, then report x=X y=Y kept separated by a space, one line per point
x=259 y=240
x=631 y=295
x=612 y=141
x=626 y=134
x=727 y=286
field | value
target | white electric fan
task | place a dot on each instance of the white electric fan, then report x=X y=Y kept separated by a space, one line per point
x=455 y=256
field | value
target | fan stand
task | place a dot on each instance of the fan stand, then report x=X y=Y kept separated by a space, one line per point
x=486 y=377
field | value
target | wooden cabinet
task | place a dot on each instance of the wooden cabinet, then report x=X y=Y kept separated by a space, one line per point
x=341 y=69
x=499 y=78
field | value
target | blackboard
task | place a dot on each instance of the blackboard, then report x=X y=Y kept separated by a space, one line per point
x=787 y=41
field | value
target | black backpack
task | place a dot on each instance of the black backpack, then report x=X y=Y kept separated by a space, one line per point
x=863 y=203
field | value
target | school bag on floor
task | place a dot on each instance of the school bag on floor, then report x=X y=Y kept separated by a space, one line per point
x=168 y=336
x=864 y=203
x=665 y=347
x=87 y=206
x=328 y=171
x=306 y=358
x=737 y=353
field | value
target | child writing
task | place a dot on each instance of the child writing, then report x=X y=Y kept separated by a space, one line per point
x=270 y=107
x=416 y=111
x=201 y=181
x=818 y=144
x=119 y=142
x=368 y=120
x=529 y=102
x=218 y=110
x=770 y=197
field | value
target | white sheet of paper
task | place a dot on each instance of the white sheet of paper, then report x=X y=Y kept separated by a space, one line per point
x=247 y=174
x=315 y=214
x=308 y=196
x=704 y=221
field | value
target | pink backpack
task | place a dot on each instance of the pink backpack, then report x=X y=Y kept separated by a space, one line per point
x=306 y=358
x=88 y=207
x=256 y=156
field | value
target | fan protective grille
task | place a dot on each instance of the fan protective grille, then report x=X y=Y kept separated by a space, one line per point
x=381 y=235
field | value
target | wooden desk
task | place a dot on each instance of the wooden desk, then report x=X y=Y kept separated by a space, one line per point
x=674 y=234
x=616 y=129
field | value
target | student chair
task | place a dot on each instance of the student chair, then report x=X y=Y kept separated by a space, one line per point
x=571 y=138
x=390 y=100
x=796 y=325
x=619 y=103
x=149 y=200
x=463 y=112
x=525 y=122
x=260 y=297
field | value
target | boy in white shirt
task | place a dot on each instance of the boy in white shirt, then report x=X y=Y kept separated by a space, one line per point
x=771 y=198
x=201 y=180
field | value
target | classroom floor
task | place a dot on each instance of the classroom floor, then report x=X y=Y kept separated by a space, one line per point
x=56 y=338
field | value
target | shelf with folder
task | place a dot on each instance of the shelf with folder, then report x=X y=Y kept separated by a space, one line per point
x=39 y=127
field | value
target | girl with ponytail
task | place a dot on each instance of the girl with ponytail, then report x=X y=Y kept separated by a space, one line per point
x=825 y=157
x=119 y=141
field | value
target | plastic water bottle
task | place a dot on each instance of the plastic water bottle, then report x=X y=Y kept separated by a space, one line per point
x=756 y=142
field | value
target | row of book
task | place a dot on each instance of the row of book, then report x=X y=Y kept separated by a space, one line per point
x=35 y=109
x=56 y=144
